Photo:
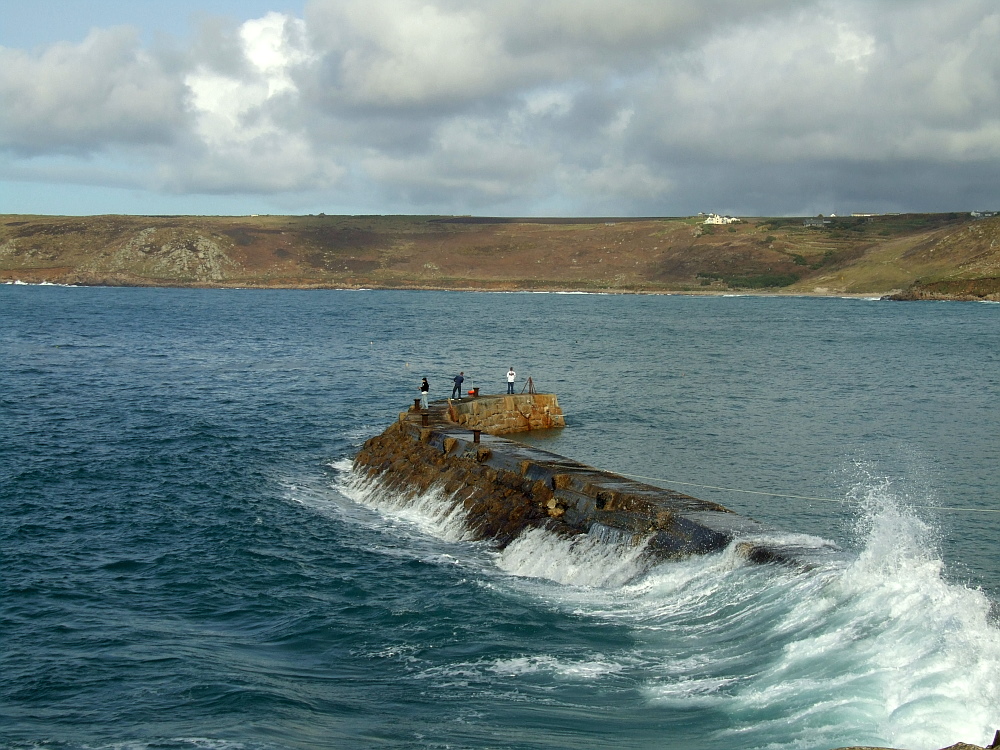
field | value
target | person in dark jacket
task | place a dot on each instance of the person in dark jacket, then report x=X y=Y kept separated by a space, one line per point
x=459 y=379
x=424 y=387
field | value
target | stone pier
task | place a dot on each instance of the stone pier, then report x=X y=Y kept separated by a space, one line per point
x=503 y=415
x=506 y=487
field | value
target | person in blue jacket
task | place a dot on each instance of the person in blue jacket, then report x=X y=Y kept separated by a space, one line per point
x=459 y=379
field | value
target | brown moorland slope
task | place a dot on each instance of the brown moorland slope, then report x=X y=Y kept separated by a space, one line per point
x=916 y=255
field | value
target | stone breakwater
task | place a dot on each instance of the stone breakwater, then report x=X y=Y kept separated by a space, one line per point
x=502 y=415
x=505 y=487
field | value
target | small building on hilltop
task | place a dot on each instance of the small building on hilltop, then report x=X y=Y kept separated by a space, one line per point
x=815 y=222
x=716 y=219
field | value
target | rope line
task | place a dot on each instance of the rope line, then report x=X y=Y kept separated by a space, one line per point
x=801 y=497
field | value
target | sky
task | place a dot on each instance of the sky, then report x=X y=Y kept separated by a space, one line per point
x=499 y=107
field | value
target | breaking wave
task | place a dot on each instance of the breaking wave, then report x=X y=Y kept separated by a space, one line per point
x=874 y=648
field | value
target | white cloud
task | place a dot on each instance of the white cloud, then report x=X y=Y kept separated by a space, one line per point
x=851 y=45
x=274 y=45
x=267 y=163
x=246 y=135
x=824 y=87
x=228 y=104
x=230 y=107
x=614 y=184
x=551 y=103
x=619 y=125
x=93 y=95
x=406 y=53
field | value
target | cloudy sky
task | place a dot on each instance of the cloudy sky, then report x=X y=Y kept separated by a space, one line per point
x=499 y=107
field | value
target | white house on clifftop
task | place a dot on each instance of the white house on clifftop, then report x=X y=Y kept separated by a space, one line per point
x=716 y=219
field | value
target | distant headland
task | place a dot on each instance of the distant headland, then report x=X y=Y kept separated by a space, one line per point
x=902 y=256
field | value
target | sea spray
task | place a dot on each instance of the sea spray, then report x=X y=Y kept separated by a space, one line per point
x=930 y=650
x=582 y=559
x=883 y=650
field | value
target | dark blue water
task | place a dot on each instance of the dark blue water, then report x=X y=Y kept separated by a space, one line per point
x=188 y=562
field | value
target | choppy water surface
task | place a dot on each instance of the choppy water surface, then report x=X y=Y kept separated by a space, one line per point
x=188 y=561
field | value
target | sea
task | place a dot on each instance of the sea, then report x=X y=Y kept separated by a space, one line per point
x=188 y=561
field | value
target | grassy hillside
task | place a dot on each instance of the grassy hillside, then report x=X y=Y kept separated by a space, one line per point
x=925 y=255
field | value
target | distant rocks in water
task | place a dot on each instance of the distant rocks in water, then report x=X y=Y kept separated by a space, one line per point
x=960 y=290
x=995 y=745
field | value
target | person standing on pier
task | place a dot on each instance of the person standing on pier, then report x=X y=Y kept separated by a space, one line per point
x=424 y=387
x=459 y=379
x=511 y=377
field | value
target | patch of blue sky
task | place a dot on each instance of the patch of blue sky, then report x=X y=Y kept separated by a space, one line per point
x=40 y=23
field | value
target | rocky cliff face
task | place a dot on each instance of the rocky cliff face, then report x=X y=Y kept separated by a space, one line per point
x=157 y=255
x=115 y=251
x=967 y=290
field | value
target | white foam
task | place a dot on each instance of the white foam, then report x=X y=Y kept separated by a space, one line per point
x=18 y=282
x=688 y=693
x=571 y=669
x=580 y=560
x=435 y=512
x=342 y=465
x=586 y=669
x=876 y=649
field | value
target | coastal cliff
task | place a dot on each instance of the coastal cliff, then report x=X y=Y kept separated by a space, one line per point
x=880 y=255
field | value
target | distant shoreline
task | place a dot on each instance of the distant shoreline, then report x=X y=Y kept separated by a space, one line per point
x=487 y=290
x=952 y=256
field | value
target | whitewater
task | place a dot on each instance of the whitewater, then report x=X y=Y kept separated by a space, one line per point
x=877 y=644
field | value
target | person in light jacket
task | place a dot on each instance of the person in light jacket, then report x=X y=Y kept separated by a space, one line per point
x=511 y=377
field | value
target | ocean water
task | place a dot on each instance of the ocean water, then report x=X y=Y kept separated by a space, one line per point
x=188 y=563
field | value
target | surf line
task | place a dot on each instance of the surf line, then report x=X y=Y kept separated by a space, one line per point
x=799 y=497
